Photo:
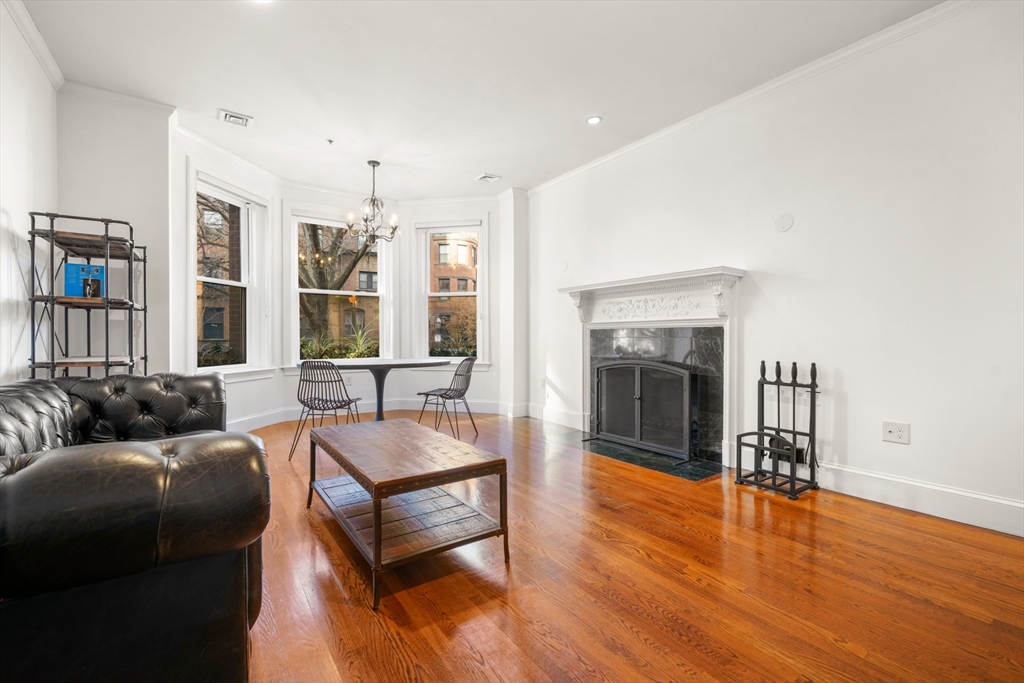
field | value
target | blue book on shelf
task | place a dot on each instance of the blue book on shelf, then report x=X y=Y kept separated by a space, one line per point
x=81 y=280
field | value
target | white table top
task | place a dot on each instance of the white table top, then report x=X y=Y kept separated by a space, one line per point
x=373 y=363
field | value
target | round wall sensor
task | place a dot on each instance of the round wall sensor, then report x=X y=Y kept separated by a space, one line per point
x=564 y=265
x=784 y=222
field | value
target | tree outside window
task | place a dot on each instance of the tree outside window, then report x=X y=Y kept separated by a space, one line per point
x=221 y=281
x=339 y=308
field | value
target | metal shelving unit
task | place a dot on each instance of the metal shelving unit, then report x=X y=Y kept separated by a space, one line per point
x=46 y=303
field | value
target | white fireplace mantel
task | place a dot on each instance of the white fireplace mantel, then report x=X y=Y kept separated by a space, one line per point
x=673 y=296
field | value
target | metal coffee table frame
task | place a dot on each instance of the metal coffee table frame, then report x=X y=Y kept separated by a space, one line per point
x=467 y=524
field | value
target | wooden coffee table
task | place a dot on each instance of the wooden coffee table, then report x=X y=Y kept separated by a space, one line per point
x=390 y=504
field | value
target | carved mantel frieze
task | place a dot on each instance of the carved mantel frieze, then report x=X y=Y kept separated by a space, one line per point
x=689 y=294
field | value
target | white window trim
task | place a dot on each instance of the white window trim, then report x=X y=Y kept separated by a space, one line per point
x=298 y=212
x=423 y=229
x=254 y=261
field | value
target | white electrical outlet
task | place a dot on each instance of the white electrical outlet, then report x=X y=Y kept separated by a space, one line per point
x=896 y=432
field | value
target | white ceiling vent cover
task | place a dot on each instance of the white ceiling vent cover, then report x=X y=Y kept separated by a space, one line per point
x=488 y=178
x=235 y=118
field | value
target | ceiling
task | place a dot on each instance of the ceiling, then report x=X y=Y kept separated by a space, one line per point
x=441 y=92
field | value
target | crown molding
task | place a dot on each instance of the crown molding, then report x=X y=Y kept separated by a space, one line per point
x=863 y=47
x=23 y=20
x=93 y=93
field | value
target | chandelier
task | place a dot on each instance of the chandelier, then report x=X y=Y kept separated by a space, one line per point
x=372 y=225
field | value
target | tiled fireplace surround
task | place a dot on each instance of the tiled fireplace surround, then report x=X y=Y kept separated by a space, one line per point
x=679 y=319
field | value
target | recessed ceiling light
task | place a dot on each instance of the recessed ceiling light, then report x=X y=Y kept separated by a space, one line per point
x=594 y=120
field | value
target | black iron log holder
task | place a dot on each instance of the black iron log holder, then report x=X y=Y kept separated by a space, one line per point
x=769 y=440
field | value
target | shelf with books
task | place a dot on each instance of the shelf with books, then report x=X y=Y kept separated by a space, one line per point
x=82 y=263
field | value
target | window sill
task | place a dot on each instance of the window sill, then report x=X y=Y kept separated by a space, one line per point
x=243 y=374
x=293 y=371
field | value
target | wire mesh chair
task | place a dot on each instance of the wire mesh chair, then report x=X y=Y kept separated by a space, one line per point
x=456 y=392
x=322 y=390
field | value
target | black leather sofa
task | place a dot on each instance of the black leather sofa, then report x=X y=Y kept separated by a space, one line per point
x=130 y=527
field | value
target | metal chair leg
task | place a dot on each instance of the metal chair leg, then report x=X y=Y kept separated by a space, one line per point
x=465 y=403
x=455 y=406
x=335 y=417
x=419 y=420
x=298 y=430
x=444 y=408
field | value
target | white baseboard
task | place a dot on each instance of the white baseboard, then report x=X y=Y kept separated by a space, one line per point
x=513 y=411
x=562 y=417
x=948 y=502
x=251 y=422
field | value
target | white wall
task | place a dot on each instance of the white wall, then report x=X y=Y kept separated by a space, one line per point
x=28 y=175
x=113 y=162
x=901 y=161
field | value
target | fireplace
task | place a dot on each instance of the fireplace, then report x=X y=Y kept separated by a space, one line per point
x=644 y=404
x=658 y=388
x=657 y=357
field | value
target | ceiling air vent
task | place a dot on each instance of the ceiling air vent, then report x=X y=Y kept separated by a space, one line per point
x=488 y=178
x=236 y=119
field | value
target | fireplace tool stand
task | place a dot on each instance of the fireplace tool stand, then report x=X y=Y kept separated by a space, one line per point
x=796 y=447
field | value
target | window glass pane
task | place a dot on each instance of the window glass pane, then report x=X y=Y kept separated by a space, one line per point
x=221 y=329
x=452 y=322
x=218 y=239
x=367 y=281
x=463 y=284
x=339 y=326
x=459 y=245
x=330 y=258
x=444 y=284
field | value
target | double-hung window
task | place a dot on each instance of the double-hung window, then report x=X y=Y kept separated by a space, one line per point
x=452 y=306
x=339 y=306
x=222 y=282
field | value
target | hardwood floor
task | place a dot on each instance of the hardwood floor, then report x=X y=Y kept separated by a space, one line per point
x=619 y=573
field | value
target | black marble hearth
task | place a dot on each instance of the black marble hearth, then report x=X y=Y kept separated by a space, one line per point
x=699 y=350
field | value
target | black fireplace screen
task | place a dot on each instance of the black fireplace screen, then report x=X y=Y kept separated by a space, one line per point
x=644 y=404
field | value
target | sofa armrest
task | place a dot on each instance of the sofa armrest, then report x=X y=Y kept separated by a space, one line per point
x=77 y=515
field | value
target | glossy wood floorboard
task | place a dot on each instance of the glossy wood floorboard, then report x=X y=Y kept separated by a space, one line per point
x=619 y=573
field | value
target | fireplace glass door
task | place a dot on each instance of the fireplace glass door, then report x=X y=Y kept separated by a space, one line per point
x=646 y=404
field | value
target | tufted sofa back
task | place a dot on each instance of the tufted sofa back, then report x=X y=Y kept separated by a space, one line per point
x=35 y=415
x=42 y=414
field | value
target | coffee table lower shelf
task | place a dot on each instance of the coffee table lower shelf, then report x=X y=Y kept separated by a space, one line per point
x=413 y=524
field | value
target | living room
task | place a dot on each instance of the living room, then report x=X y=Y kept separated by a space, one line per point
x=863 y=195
